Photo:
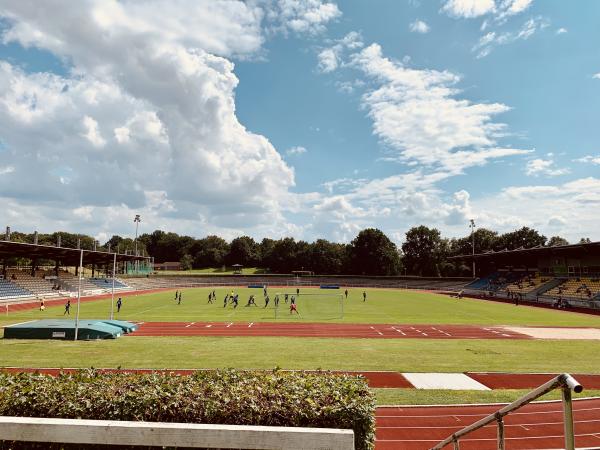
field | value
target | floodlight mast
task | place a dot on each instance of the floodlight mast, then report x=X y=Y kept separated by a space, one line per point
x=472 y=227
x=137 y=219
x=79 y=293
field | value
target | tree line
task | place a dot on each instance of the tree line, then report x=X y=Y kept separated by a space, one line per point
x=425 y=252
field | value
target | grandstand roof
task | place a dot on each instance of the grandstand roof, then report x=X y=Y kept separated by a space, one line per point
x=66 y=256
x=576 y=250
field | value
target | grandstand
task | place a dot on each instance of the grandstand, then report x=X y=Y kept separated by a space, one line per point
x=567 y=275
x=46 y=276
x=9 y=290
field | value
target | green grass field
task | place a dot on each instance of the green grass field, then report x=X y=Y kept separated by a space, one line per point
x=382 y=306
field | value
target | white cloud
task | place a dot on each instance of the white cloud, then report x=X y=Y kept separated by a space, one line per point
x=596 y=76
x=589 y=159
x=418 y=26
x=545 y=207
x=469 y=8
x=546 y=167
x=501 y=9
x=417 y=115
x=301 y=16
x=513 y=7
x=92 y=133
x=329 y=58
x=146 y=85
x=561 y=31
x=6 y=169
x=298 y=150
x=492 y=39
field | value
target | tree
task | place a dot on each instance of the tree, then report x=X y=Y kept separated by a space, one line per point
x=209 y=252
x=373 y=253
x=243 y=250
x=282 y=257
x=186 y=262
x=522 y=238
x=585 y=241
x=424 y=250
x=557 y=240
x=485 y=240
x=328 y=257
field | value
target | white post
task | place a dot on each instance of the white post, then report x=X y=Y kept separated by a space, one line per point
x=112 y=302
x=568 y=418
x=79 y=293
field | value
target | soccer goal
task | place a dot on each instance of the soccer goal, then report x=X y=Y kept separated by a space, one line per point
x=309 y=306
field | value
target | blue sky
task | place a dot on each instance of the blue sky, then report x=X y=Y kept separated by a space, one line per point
x=309 y=118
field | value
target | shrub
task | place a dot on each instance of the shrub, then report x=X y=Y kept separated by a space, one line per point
x=274 y=398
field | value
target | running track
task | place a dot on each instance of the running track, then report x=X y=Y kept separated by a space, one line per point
x=330 y=330
x=535 y=426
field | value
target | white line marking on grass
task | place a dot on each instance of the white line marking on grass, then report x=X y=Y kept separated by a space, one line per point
x=187 y=326
x=379 y=332
x=399 y=331
x=251 y=323
x=229 y=324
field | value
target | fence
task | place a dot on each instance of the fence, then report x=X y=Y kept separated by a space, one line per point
x=565 y=382
x=160 y=434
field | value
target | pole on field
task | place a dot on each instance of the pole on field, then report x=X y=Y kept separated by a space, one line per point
x=79 y=293
x=472 y=226
x=112 y=302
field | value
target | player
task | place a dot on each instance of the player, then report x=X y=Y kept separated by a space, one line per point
x=68 y=307
x=267 y=300
x=42 y=306
x=276 y=300
x=364 y=296
x=176 y=292
x=179 y=299
x=210 y=297
x=297 y=291
x=235 y=301
x=225 y=300
x=346 y=293
x=292 y=300
x=251 y=301
x=285 y=297
x=119 y=303
x=265 y=290
x=294 y=308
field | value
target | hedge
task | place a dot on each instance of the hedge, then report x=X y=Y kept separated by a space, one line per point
x=272 y=398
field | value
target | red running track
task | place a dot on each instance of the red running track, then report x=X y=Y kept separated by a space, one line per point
x=535 y=426
x=528 y=380
x=330 y=330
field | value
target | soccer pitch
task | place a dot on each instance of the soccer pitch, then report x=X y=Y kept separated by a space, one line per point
x=382 y=306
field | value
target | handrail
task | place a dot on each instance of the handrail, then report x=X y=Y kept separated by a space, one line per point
x=564 y=381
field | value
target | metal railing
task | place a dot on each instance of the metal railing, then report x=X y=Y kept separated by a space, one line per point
x=564 y=381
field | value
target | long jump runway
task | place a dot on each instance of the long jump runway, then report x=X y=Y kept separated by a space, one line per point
x=535 y=426
x=330 y=330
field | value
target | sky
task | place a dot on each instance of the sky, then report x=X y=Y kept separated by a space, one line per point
x=304 y=118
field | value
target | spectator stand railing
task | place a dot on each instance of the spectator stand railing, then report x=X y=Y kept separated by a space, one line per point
x=565 y=382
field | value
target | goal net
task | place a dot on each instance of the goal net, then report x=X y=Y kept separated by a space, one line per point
x=309 y=306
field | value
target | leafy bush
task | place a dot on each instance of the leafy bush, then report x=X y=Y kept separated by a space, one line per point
x=275 y=398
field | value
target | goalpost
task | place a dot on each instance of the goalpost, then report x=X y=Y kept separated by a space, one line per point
x=310 y=306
